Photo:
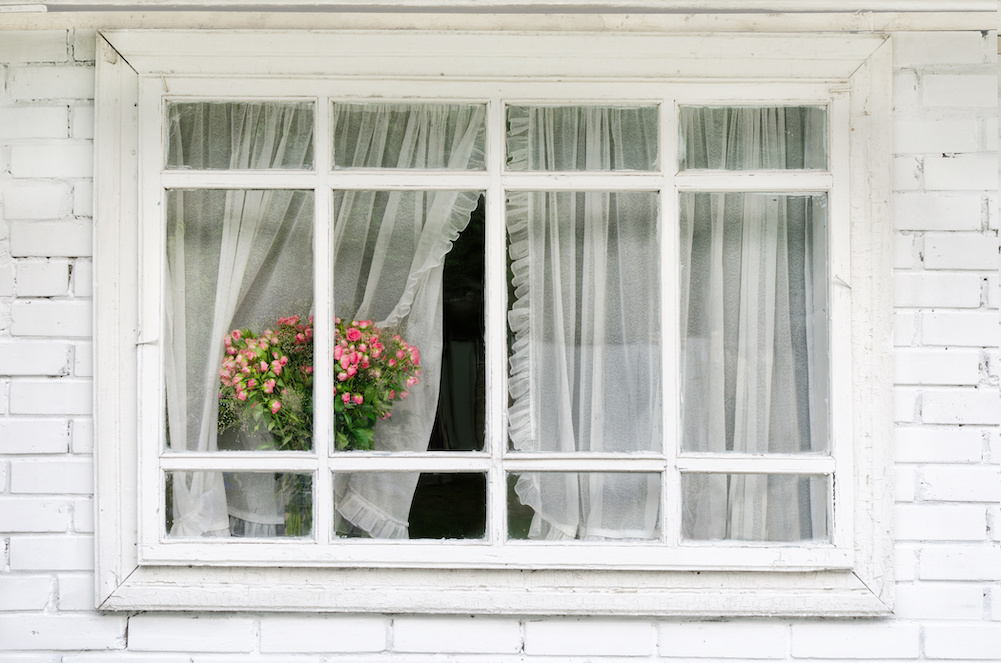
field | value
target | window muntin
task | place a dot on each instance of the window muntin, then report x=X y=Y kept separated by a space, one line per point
x=534 y=184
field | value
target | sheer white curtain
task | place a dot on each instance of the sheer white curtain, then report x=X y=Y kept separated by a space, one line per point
x=389 y=254
x=234 y=258
x=753 y=319
x=585 y=361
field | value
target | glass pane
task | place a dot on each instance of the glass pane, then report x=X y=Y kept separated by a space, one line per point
x=238 y=347
x=561 y=138
x=252 y=504
x=240 y=135
x=584 y=322
x=408 y=293
x=584 y=505
x=754 y=322
x=755 y=507
x=417 y=136
x=377 y=505
x=736 y=138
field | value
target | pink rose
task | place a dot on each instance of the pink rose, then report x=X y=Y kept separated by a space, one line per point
x=353 y=335
x=269 y=386
x=275 y=406
x=346 y=398
x=236 y=334
x=342 y=376
x=358 y=399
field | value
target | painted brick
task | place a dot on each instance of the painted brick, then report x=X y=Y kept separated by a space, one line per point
x=914 y=49
x=925 y=211
x=961 y=328
x=160 y=632
x=34 y=358
x=992 y=293
x=83 y=200
x=57 y=238
x=36 y=200
x=29 y=592
x=905 y=328
x=927 y=522
x=55 y=396
x=907 y=173
x=935 y=135
x=6 y=277
x=955 y=562
x=961 y=406
x=33 y=46
x=937 y=445
x=905 y=481
x=33 y=122
x=323 y=634
x=855 y=640
x=61 y=319
x=83 y=278
x=959 y=483
x=52 y=476
x=943 y=367
x=75 y=591
x=963 y=641
x=62 y=159
x=714 y=640
x=906 y=250
x=50 y=82
x=936 y=600
x=33 y=436
x=32 y=514
x=83 y=359
x=84 y=45
x=82 y=436
x=82 y=122
x=962 y=172
x=961 y=89
x=936 y=289
x=83 y=515
x=4 y=475
x=473 y=635
x=995 y=603
x=62 y=632
x=51 y=552
x=905 y=404
x=42 y=278
x=990 y=134
x=589 y=637
x=905 y=562
x=906 y=91
x=961 y=251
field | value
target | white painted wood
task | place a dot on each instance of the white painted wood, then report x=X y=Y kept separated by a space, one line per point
x=642 y=69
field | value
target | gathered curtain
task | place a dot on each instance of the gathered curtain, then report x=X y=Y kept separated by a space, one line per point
x=243 y=258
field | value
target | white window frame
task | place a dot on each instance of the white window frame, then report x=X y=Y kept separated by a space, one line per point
x=138 y=70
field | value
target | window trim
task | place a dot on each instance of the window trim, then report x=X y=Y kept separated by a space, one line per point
x=859 y=63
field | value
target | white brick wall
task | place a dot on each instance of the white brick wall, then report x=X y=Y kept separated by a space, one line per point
x=948 y=451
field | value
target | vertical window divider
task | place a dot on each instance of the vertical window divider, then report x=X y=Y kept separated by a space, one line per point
x=496 y=325
x=323 y=323
x=669 y=316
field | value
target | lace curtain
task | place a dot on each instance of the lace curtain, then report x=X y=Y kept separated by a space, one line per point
x=243 y=258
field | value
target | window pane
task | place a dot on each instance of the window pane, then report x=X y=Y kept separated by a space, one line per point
x=755 y=507
x=440 y=136
x=238 y=347
x=584 y=505
x=444 y=505
x=584 y=322
x=736 y=138
x=240 y=135
x=408 y=377
x=258 y=504
x=581 y=138
x=754 y=315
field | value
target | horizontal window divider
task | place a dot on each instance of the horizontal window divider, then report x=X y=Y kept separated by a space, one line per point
x=407 y=180
x=566 y=463
x=465 y=553
x=756 y=464
x=455 y=462
x=772 y=181
x=239 y=179
x=611 y=181
x=236 y=461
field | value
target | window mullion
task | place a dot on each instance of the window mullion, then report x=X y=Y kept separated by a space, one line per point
x=323 y=325
x=495 y=308
x=670 y=298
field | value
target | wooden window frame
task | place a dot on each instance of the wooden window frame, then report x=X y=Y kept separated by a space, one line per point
x=137 y=70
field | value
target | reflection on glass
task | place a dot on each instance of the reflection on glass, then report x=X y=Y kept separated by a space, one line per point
x=444 y=506
x=238 y=347
x=754 y=322
x=584 y=505
x=414 y=136
x=565 y=138
x=584 y=322
x=753 y=138
x=258 y=504
x=755 y=507
x=240 y=135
